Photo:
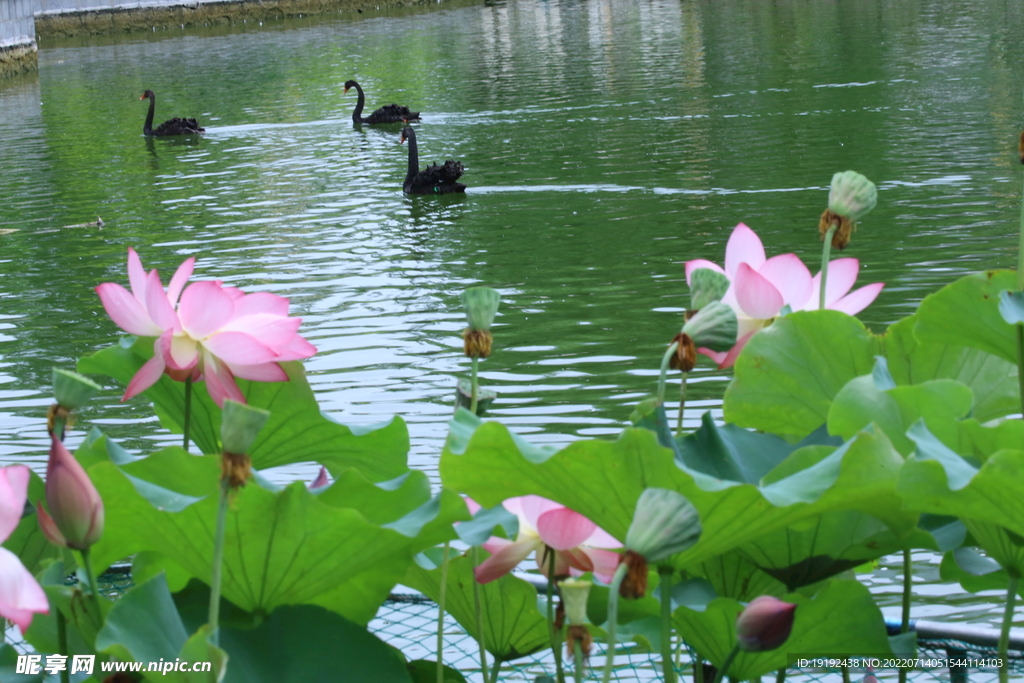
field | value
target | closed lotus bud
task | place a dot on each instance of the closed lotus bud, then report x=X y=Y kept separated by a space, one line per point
x=664 y=523
x=240 y=425
x=481 y=306
x=852 y=195
x=321 y=480
x=575 y=593
x=706 y=286
x=75 y=518
x=765 y=624
x=73 y=390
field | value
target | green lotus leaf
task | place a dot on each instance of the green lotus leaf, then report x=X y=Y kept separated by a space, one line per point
x=713 y=327
x=706 y=287
x=1011 y=306
x=9 y=665
x=966 y=313
x=285 y=547
x=988 y=498
x=712 y=632
x=973 y=571
x=732 y=575
x=940 y=403
x=296 y=432
x=513 y=627
x=425 y=671
x=603 y=480
x=799 y=364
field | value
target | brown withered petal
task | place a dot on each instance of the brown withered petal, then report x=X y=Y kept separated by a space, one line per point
x=841 y=237
x=690 y=312
x=236 y=469
x=634 y=584
x=685 y=357
x=476 y=343
x=560 y=615
x=578 y=633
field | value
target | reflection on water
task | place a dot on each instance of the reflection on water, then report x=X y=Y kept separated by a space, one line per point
x=605 y=143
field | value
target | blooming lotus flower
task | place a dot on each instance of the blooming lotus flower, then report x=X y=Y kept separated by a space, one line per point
x=20 y=594
x=576 y=541
x=760 y=287
x=76 y=509
x=205 y=331
x=765 y=624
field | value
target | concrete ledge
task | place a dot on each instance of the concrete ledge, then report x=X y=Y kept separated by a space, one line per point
x=52 y=24
x=15 y=59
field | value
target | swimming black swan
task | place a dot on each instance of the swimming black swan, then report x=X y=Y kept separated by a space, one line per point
x=433 y=179
x=392 y=113
x=173 y=126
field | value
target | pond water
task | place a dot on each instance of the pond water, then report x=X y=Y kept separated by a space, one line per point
x=605 y=142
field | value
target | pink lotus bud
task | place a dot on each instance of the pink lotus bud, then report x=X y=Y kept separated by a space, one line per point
x=765 y=624
x=321 y=480
x=76 y=509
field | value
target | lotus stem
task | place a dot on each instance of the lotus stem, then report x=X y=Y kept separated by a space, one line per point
x=780 y=677
x=698 y=668
x=218 y=559
x=578 y=662
x=727 y=663
x=93 y=586
x=58 y=427
x=825 y=251
x=479 y=617
x=188 y=418
x=1004 y=633
x=62 y=643
x=475 y=391
x=664 y=370
x=496 y=670
x=845 y=670
x=666 y=616
x=440 y=613
x=613 y=617
x=682 y=405
x=559 y=673
x=908 y=586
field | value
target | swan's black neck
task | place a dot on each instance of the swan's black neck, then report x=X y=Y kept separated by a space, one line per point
x=358 y=112
x=147 y=128
x=414 y=156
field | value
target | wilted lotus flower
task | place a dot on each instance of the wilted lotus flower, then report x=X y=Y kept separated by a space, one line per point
x=75 y=519
x=575 y=593
x=760 y=288
x=481 y=305
x=664 y=523
x=20 y=594
x=239 y=428
x=712 y=327
x=765 y=624
x=206 y=331
x=545 y=525
x=850 y=198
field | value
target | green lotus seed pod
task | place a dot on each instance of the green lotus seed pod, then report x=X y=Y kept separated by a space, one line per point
x=73 y=390
x=240 y=424
x=664 y=523
x=852 y=195
x=481 y=306
x=706 y=286
x=575 y=593
x=714 y=327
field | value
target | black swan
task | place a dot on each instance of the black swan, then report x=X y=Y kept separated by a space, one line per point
x=434 y=179
x=392 y=113
x=173 y=126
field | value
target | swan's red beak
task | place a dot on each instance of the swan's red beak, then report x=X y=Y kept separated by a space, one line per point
x=345 y=91
x=401 y=138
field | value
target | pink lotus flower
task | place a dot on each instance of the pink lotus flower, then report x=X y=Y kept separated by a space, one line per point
x=543 y=525
x=75 y=504
x=20 y=594
x=205 y=331
x=760 y=287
